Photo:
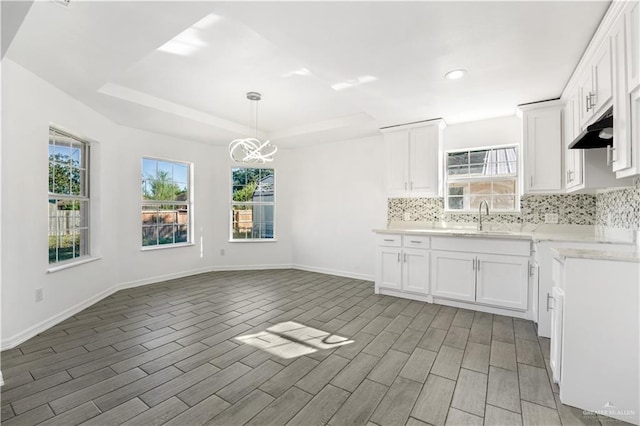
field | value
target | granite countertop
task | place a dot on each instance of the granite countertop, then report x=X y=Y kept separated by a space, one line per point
x=621 y=256
x=533 y=232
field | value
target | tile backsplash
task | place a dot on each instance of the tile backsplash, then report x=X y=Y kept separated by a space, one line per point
x=618 y=208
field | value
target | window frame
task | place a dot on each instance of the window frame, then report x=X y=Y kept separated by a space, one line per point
x=490 y=178
x=189 y=203
x=83 y=198
x=252 y=203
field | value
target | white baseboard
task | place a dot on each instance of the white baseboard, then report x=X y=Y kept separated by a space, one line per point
x=339 y=273
x=33 y=331
x=36 y=329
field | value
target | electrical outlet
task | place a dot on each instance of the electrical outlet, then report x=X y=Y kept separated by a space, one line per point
x=407 y=216
x=221 y=252
x=39 y=295
x=551 y=218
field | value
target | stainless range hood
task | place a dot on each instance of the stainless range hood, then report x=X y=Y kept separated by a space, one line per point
x=597 y=135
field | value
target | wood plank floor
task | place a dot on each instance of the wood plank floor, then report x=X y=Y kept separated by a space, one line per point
x=166 y=354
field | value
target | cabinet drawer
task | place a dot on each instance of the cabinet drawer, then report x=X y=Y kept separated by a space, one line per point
x=389 y=240
x=415 y=241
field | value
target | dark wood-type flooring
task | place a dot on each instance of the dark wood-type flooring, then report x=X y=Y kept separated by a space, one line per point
x=166 y=353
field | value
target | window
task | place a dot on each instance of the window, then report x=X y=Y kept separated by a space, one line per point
x=68 y=197
x=484 y=174
x=166 y=202
x=253 y=204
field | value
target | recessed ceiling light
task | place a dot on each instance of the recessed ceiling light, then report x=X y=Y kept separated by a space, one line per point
x=455 y=74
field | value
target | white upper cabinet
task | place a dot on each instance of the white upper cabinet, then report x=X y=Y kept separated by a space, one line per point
x=627 y=106
x=632 y=27
x=542 y=143
x=620 y=156
x=596 y=85
x=607 y=75
x=602 y=80
x=573 y=158
x=413 y=155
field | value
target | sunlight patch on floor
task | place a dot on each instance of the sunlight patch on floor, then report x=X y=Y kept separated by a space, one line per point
x=291 y=339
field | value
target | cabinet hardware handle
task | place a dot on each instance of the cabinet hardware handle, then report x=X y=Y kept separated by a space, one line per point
x=388 y=240
x=405 y=258
x=474 y=264
x=610 y=155
x=531 y=181
x=586 y=101
x=569 y=176
x=416 y=242
x=398 y=257
x=532 y=269
x=590 y=102
x=411 y=186
x=549 y=297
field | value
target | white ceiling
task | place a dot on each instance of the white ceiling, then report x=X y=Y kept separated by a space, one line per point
x=120 y=58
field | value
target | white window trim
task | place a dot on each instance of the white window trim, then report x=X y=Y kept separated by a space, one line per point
x=273 y=203
x=89 y=177
x=190 y=202
x=72 y=263
x=517 y=176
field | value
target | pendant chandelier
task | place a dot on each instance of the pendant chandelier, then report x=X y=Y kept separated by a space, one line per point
x=251 y=150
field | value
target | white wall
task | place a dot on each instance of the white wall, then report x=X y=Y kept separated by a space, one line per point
x=494 y=131
x=30 y=105
x=329 y=198
x=339 y=200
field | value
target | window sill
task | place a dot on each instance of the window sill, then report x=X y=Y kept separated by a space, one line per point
x=255 y=240
x=64 y=266
x=165 y=246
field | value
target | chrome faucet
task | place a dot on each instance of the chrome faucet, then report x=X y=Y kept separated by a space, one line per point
x=483 y=202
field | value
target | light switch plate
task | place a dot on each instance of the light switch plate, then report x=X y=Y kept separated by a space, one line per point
x=551 y=218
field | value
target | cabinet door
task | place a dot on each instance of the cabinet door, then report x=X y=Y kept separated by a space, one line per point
x=586 y=96
x=415 y=270
x=633 y=45
x=502 y=281
x=603 y=78
x=453 y=275
x=555 y=352
x=397 y=152
x=635 y=127
x=423 y=160
x=621 y=127
x=569 y=158
x=389 y=268
x=574 y=158
x=543 y=150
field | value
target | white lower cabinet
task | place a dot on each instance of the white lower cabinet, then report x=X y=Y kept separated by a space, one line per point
x=453 y=275
x=487 y=274
x=555 y=352
x=489 y=279
x=502 y=281
x=415 y=270
x=595 y=334
x=401 y=266
x=389 y=271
